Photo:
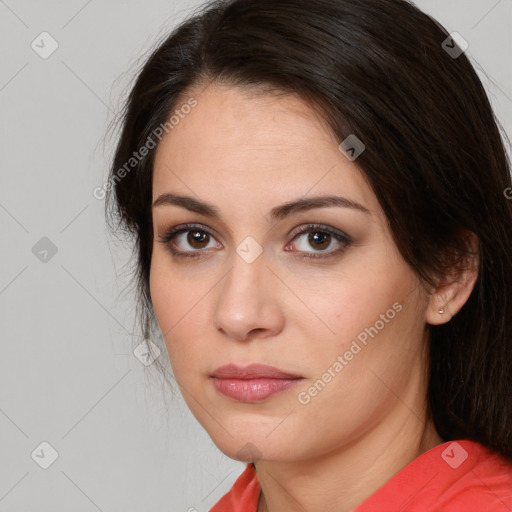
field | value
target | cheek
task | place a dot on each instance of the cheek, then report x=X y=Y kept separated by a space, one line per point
x=161 y=293
x=171 y=292
x=354 y=383
x=344 y=307
x=179 y=311
x=164 y=286
x=365 y=322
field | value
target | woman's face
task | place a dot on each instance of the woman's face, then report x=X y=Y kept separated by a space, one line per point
x=336 y=306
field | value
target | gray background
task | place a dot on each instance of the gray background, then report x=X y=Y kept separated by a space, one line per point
x=68 y=375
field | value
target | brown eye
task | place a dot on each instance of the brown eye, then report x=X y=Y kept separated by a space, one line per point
x=320 y=242
x=319 y=239
x=197 y=238
x=189 y=240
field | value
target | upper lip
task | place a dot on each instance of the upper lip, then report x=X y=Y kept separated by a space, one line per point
x=253 y=371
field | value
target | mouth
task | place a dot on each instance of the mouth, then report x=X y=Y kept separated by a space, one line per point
x=253 y=383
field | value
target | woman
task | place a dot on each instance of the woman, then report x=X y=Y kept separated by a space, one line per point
x=317 y=193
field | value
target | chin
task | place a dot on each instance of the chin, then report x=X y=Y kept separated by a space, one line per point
x=253 y=448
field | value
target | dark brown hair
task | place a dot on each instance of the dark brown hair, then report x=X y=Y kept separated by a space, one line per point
x=434 y=158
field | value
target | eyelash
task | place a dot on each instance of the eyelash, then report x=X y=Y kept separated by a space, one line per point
x=171 y=234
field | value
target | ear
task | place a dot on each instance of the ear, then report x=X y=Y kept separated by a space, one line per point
x=454 y=288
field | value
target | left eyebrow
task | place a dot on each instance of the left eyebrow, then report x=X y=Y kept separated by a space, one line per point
x=277 y=213
x=300 y=205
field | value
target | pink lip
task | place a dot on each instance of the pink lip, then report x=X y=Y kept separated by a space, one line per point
x=253 y=371
x=252 y=383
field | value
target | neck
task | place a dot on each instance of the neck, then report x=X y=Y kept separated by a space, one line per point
x=342 y=479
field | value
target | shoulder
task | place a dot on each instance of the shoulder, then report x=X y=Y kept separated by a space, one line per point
x=456 y=476
x=484 y=484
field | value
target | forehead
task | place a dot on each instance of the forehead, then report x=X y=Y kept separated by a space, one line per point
x=261 y=149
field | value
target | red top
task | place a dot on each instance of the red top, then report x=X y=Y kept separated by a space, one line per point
x=457 y=476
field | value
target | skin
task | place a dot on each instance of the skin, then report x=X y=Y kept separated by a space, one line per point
x=246 y=153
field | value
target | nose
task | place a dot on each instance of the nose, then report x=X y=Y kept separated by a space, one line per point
x=248 y=302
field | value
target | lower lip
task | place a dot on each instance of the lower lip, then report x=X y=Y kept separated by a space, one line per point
x=252 y=390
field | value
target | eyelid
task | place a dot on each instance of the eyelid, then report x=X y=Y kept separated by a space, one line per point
x=338 y=235
x=320 y=227
x=171 y=233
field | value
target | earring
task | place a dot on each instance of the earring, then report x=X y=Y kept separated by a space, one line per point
x=441 y=311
